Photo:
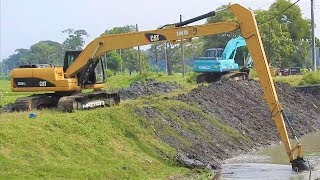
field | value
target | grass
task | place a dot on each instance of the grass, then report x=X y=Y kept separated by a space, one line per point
x=6 y=96
x=170 y=107
x=121 y=81
x=107 y=143
x=293 y=80
x=113 y=83
x=310 y=78
x=104 y=143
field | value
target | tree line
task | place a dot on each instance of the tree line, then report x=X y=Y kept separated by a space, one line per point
x=286 y=38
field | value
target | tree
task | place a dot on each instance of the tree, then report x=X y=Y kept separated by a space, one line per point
x=44 y=52
x=165 y=51
x=220 y=40
x=131 y=60
x=13 y=60
x=276 y=40
x=317 y=42
x=74 y=40
x=113 y=60
x=120 y=30
x=298 y=27
x=192 y=50
x=130 y=55
x=287 y=36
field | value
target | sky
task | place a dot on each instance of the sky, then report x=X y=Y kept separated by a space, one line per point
x=26 y=22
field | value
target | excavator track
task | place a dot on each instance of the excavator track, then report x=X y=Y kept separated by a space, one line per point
x=229 y=76
x=88 y=101
x=35 y=102
x=235 y=76
x=22 y=104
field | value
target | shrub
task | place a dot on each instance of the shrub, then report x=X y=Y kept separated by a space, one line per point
x=140 y=77
x=310 y=78
x=253 y=73
x=192 y=77
x=1 y=99
x=109 y=73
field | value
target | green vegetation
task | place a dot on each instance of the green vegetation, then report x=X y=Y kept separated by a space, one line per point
x=113 y=82
x=293 y=80
x=102 y=143
x=121 y=81
x=169 y=107
x=310 y=78
x=192 y=77
x=6 y=96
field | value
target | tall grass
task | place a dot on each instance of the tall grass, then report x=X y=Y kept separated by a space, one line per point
x=107 y=143
x=310 y=78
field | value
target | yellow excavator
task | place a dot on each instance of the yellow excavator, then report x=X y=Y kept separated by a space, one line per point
x=78 y=72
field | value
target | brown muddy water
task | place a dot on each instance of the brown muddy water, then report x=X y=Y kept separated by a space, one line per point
x=272 y=163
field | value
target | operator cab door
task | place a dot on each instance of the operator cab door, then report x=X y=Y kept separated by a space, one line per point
x=86 y=76
x=213 y=53
x=69 y=58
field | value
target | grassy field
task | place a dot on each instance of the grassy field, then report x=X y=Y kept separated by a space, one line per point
x=293 y=80
x=108 y=143
x=102 y=143
x=6 y=96
x=307 y=78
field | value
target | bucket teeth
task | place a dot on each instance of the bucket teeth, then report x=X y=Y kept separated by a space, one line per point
x=299 y=165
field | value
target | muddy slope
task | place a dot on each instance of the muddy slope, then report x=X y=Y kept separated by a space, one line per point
x=241 y=105
x=238 y=106
x=147 y=87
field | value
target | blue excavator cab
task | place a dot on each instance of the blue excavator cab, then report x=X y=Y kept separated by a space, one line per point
x=219 y=60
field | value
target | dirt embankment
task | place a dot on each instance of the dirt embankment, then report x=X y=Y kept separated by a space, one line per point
x=243 y=120
x=148 y=87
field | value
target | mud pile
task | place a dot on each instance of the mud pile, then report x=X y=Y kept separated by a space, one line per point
x=310 y=89
x=241 y=105
x=238 y=106
x=148 y=87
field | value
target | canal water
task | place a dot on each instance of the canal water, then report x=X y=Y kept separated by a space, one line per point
x=272 y=163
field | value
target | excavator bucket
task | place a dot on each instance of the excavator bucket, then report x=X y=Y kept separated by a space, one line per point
x=299 y=165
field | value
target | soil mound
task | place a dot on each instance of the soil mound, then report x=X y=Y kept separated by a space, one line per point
x=148 y=87
x=237 y=105
x=241 y=105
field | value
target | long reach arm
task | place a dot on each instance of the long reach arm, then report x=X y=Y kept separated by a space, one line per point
x=246 y=23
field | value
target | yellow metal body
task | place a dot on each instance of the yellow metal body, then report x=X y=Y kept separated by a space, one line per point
x=246 y=23
x=53 y=75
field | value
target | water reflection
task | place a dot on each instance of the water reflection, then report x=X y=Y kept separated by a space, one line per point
x=272 y=163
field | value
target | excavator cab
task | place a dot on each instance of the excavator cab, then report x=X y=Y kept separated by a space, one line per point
x=215 y=53
x=69 y=58
x=88 y=76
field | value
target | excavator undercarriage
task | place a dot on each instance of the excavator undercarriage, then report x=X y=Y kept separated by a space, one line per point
x=88 y=101
x=210 y=77
x=67 y=103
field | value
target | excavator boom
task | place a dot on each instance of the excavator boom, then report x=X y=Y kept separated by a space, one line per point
x=86 y=61
x=106 y=43
x=249 y=30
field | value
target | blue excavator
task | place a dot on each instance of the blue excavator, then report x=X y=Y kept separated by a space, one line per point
x=222 y=64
